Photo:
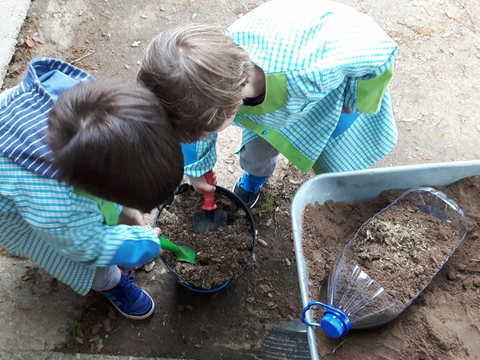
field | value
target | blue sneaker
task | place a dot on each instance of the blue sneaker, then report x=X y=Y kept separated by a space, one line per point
x=131 y=301
x=248 y=188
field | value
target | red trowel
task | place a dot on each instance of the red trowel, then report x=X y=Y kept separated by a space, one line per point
x=209 y=218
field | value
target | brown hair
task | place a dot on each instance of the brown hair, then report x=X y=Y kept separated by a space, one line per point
x=198 y=73
x=111 y=139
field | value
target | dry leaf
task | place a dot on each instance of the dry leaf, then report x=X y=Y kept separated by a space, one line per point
x=99 y=345
x=95 y=328
x=94 y=338
x=106 y=324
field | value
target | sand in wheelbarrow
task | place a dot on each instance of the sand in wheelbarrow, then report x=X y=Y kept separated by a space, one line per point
x=442 y=323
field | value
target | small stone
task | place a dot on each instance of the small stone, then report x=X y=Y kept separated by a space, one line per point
x=149 y=267
x=262 y=242
x=30 y=43
x=240 y=213
x=461 y=267
x=452 y=275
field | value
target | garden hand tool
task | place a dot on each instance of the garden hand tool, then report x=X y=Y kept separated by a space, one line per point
x=209 y=218
x=183 y=252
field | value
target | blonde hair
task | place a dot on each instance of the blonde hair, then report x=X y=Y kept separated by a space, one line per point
x=198 y=73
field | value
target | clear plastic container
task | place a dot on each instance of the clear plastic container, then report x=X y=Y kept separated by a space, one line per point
x=354 y=299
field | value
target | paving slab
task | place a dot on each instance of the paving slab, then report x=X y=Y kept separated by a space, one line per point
x=12 y=16
x=29 y=295
x=53 y=303
x=50 y=355
x=36 y=311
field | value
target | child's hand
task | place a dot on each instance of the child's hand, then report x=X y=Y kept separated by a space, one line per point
x=157 y=230
x=131 y=217
x=200 y=184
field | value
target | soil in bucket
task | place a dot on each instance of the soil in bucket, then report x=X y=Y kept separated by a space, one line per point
x=221 y=255
x=441 y=323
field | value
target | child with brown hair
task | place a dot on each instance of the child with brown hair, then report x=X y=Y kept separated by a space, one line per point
x=308 y=79
x=78 y=157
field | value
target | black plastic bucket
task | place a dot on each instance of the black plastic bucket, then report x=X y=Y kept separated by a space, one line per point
x=235 y=200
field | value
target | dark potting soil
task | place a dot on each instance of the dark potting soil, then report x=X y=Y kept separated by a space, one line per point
x=220 y=255
x=436 y=325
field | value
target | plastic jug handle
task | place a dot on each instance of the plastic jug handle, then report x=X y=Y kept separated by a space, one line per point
x=332 y=309
x=335 y=322
x=308 y=307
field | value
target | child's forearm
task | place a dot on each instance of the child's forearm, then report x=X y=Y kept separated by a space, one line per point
x=137 y=251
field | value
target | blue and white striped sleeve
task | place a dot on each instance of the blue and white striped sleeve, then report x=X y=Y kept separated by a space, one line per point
x=71 y=224
x=200 y=157
x=86 y=239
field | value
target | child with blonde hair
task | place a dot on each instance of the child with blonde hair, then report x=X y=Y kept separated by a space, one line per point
x=308 y=79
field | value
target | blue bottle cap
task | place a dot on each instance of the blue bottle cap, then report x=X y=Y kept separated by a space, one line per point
x=334 y=324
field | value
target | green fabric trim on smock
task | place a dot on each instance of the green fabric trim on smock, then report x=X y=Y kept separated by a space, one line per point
x=370 y=92
x=279 y=142
x=318 y=169
x=108 y=208
x=275 y=98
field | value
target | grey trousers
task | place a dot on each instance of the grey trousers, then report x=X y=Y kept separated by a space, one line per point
x=106 y=278
x=258 y=157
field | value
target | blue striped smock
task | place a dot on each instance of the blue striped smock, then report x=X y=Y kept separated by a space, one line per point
x=44 y=220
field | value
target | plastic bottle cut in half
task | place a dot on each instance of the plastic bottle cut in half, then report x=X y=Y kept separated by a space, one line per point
x=354 y=299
